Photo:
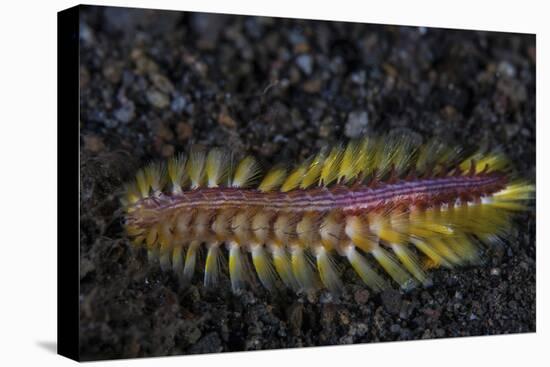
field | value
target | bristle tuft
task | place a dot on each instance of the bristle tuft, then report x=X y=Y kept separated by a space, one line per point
x=393 y=268
x=302 y=269
x=155 y=176
x=176 y=172
x=273 y=179
x=195 y=167
x=327 y=271
x=246 y=172
x=190 y=262
x=236 y=267
x=351 y=164
x=283 y=267
x=311 y=176
x=212 y=265
x=331 y=166
x=263 y=267
x=364 y=270
x=216 y=167
x=295 y=177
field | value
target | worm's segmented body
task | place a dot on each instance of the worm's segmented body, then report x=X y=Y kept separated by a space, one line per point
x=381 y=204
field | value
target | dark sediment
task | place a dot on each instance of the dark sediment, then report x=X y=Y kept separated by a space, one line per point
x=153 y=83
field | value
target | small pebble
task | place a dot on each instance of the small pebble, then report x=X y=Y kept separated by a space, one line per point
x=93 y=143
x=305 y=63
x=506 y=69
x=168 y=150
x=226 y=120
x=125 y=113
x=158 y=99
x=312 y=86
x=361 y=296
x=178 y=104
x=184 y=131
x=357 y=124
x=395 y=328
x=391 y=300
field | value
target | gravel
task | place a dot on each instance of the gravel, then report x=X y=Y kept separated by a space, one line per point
x=153 y=83
x=357 y=124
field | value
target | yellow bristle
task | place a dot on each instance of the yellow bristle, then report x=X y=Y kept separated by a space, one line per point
x=427 y=223
x=176 y=172
x=410 y=261
x=436 y=259
x=195 y=167
x=508 y=205
x=383 y=156
x=246 y=172
x=301 y=268
x=428 y=154
x=391 y=266
x=366 y=156
x=364 y=270
x=190 y=262
x=132 y=193
x=177 y=259
x=394 y=152
x=440 y=246
x=216 y=166
x=491 y=162
x=351 y=163
x=311 y=176
x=327 y=272
x=142 y=185
x=404 y=152
x=394 y=231
x=212 y=266
x=155 y=176
x=357 y=230
x=294 y=178
x=263 y=267
x=331 y=166
x=434 y=154
x=517 y=191
x=464 y=248
x=494 y=162
x=236 y=267
x=283 y=267
x=273 y=179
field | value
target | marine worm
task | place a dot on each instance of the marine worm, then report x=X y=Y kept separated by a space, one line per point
x=389 y=207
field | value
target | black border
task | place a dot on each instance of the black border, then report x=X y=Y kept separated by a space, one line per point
x=68 y=240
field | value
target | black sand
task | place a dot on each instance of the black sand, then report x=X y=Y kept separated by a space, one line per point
x=152 y=83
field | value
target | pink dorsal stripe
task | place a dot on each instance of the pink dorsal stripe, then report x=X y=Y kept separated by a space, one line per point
x=321 y=199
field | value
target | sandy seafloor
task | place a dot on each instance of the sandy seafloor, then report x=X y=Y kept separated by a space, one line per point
x=153 y=83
